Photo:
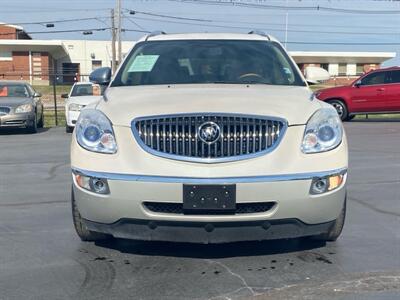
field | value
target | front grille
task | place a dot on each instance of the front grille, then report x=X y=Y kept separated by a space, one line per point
x=182 y=136
x=177 y=208
x=4 y=110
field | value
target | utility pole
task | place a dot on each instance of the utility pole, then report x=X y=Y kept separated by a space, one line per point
x=113 y=63
x=119 y=30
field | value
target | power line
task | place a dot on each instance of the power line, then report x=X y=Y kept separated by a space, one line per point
x=136 y=30
x=54 y=21
x=166 y=16
x=134 y=23
x=261 y=23
x=213 y=25
x=53 y=10
x=295 y=8
x=61 y=31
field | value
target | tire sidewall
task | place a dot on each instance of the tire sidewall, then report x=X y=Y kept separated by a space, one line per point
x=344 y=111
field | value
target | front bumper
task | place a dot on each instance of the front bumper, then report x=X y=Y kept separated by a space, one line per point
x=71 y=117
x=295 y=212
x=130 y=175
x=209 y=232
x=17 y=120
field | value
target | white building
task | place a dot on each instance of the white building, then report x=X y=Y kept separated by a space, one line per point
x=82 y=57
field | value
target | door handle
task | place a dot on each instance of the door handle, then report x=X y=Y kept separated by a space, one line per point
x=381 y=89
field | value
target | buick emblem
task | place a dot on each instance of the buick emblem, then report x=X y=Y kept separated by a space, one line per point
x=209 y=132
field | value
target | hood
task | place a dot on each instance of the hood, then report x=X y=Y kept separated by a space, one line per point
x=14 y=101
x=84 y=100
x=334 y=89
x=289 y=102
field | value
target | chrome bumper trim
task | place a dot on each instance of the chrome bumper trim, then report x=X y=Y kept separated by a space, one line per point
x=202 y=180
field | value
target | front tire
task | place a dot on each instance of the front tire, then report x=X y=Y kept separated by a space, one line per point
x=336 y=229
x=84 y=234
x=34 y=127
x=341 y=109
x=41 y=122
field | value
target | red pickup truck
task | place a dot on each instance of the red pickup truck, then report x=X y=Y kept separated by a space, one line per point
x=375 y=92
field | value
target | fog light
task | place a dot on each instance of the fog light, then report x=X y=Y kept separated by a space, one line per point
x=95 y=185
x=325 y=184
x=319 y=186
x=99 y=185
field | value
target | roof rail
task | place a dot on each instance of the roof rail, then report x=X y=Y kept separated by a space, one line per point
x=154 y=33
x=259 y=32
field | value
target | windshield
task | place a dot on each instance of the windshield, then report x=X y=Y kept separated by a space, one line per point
x=86 y=90
x=13 y=90
x=208 y=61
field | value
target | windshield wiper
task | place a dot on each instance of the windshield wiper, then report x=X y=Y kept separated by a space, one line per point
x=254 y=82
x=238 y=82
x=221 y=82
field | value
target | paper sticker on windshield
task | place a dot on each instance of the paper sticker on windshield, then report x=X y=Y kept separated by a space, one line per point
x=143 y=63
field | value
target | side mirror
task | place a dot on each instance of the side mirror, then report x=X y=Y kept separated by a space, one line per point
x=358 y=83
x=37 y=95
x=64 y=96
x=101 y=76
x=315 y=75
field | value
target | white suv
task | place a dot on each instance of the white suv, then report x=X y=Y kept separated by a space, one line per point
x=208 y=138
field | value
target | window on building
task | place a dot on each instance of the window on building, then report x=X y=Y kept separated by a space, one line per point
x=342 y=69
x=96 y=64
x=360 y=69
x=5 y=55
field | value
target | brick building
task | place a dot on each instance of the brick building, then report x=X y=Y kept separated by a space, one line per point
x=40 y=61
x=22 y=58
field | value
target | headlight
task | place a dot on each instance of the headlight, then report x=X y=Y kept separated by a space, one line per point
x=75 y=107
x=323 y=132
x=94 y=132
x=25 y=108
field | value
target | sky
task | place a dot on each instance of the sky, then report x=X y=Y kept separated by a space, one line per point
x=363 y=25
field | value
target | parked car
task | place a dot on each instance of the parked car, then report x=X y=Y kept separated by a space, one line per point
x=375 y=92
x=81 y=94
x=208 y=138
x=20 y=106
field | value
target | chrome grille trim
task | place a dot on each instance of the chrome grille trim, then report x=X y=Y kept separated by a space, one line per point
x=241 y=136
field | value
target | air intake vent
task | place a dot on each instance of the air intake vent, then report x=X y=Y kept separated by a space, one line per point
x=177 y=208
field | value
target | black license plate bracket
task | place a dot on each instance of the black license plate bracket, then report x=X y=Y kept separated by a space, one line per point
x=209 y=198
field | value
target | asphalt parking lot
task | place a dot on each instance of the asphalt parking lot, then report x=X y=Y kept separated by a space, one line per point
x=42 y=258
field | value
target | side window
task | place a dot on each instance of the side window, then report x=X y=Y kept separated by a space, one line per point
x=395 y=76
x=374 y=78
